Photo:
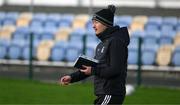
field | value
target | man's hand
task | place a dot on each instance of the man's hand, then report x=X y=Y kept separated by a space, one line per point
x=86 y=70
x=65 y=80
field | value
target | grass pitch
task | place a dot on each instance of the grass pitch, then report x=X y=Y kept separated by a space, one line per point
x=13 y=91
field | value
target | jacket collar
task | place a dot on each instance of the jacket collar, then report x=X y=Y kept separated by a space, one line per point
x=107 y=33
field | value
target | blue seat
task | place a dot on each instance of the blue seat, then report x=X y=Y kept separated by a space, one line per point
x=19 y=42
x=170 y=21
x=151 y=37
x=89 y=24
x=36 y=22
x=91 y=38
x=47 y=36
x=26 y=53
x=79 y=31
x=149 y=54
x=3 y=51
x=90 y=48
x=163 y=40
x=176 y=56
x=77 y=35
x=166 y=37
x=153 y=23
x=167 y=27
x=52 y=20
x=76 y=44
x=71 y=54
x=124 y=20
x=133 y=55
x=21 y=32
x=2 y=16
x=36 y=31
x=66 y=20
x=57 y=53
x=74 y=49
x=63 y=44
x=38 y=19
x=136 y=35
x=50 y=29
x=14 y=52
x=10 y=18
x=90 y=32
x=178 y=27
x=4 y=44
x=90 y=52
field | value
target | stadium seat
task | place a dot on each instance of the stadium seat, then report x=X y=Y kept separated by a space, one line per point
x=77 y=34
x=132 y=54
x=74 y=49
x=2 y=16
x=21 y=33
x=164 y=55
x=52 y=20
x=170 y=21
x=135 y=35
x=14 y=51
x=124 y=20
x=91 y=38
x=66 y=20
x=36 y=31
x=166 y=37
x=167 y=27
x=10 y=18
x=3 y=52
x=25 y=53
x=90 y=48
x=149 y=54
x=80 y=21
x=177 y=39
x=4 y=44
x=62 y=34
x=151 y=37
x=50 y=29
x=44 y=50
x=57 y=53
x=138 y=23
x=19 y=42
x=176 y=56
x=89 y=25
x=47 y=36
x=6 y=32
x=24 y=19
x=71 y=54
x=38 y=19
x=178 y=27
x=153 y=23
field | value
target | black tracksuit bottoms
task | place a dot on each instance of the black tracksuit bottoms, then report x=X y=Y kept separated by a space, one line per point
x=109 y=100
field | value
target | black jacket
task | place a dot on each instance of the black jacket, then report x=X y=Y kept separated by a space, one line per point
x=112 y=52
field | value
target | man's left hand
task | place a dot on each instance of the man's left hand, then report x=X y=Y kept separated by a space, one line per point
x=86 y=70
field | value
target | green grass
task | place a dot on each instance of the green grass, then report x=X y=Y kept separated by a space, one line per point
x=34 y=92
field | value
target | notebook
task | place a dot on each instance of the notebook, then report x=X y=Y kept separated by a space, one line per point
x=85 y=60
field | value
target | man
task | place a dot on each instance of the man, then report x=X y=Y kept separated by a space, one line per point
x=112 y=53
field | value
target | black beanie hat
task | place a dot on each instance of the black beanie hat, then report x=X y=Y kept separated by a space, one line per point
x=105 y=16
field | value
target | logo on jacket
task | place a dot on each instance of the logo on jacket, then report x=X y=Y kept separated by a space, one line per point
x=102 y=50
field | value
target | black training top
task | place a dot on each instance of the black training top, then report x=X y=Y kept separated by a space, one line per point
x=112 y=52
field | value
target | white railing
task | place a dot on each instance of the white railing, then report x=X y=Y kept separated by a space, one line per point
x=97 y=3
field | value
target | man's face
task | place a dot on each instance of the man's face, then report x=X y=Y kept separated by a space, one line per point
x=98 y=27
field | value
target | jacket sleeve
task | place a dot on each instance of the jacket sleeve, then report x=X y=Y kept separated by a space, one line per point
x=118 y=60
x=77 y=76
